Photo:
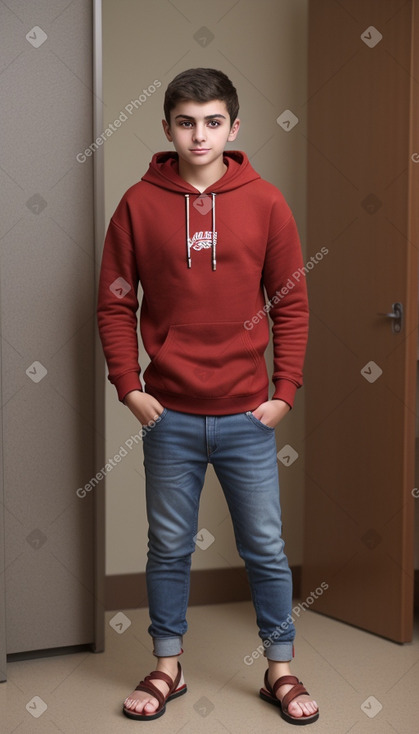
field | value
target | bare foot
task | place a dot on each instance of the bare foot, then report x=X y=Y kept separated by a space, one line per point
x=140 y=702
x=303 y=705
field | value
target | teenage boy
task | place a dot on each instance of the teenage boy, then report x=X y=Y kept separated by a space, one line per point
x=205 y=235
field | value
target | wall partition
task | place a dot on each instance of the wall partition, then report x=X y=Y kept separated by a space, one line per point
x=50 y=533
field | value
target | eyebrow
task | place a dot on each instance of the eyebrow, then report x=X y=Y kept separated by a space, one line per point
x=207 y=117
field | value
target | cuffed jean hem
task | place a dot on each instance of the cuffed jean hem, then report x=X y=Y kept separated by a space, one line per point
x=280 y=653
x=165 y=647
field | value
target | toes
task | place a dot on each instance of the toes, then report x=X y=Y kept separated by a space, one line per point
x=302 y=708
x=309 y=708
x=150 y=707
x=139 y=705
x=295 y=709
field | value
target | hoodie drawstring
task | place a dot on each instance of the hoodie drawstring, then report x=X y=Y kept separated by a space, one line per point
x=213 y=234
x=188 y=241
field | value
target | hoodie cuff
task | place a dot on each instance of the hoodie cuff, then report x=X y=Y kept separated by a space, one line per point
x=126 y=383
x=285 y=390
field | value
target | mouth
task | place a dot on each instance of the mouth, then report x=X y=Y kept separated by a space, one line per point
x=199 y=150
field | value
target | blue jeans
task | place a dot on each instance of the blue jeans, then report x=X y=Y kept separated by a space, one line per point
x=243 y=452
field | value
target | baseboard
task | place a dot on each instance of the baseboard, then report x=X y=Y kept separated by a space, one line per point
x=209 y=586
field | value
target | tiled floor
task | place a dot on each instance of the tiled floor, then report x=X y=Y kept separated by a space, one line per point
x=341 y=666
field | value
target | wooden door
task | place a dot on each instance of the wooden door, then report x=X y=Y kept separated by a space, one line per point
x=363 y=184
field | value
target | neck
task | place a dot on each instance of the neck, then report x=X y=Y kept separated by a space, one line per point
x=202 y=177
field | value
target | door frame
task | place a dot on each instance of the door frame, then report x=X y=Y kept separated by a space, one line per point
x=3 y=659
x=412 y=304
x=99 y=398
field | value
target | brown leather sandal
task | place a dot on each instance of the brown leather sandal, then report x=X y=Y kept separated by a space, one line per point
x=269 y=694
x=146 y=685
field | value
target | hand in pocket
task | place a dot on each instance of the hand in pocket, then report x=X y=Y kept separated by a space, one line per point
x=145 y=408
x=271 y=412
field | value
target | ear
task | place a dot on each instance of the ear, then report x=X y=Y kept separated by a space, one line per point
x=166 y=129
x=234 y=130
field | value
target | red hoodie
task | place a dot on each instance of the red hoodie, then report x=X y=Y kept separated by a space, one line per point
x=202 y=261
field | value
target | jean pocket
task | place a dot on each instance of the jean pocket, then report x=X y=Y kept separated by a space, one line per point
x=154 y=424
x=257 y=422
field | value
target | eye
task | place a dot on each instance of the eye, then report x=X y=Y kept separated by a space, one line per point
x=214 y=123
x=185 y=123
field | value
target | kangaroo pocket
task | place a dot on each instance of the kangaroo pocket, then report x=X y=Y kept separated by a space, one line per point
x=207 y=360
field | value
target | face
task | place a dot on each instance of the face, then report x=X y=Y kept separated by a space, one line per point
x=200 y=131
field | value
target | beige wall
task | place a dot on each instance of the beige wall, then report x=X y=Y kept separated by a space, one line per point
x=262 y=47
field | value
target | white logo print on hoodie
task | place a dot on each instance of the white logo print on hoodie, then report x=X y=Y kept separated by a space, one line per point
x=202 y=240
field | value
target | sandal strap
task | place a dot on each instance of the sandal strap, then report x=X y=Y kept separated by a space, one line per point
x=148 y=686
x=283 y=681
x=159 y=675
x=297 y=690
x=178 y=677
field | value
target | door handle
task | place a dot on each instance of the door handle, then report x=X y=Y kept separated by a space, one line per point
x=396 y=315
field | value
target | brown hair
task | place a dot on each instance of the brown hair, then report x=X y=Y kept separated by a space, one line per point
x=201 y=85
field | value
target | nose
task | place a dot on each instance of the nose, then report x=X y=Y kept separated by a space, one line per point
x=199 y=132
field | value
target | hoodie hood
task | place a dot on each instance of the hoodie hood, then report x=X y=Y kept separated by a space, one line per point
x=164 y=173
